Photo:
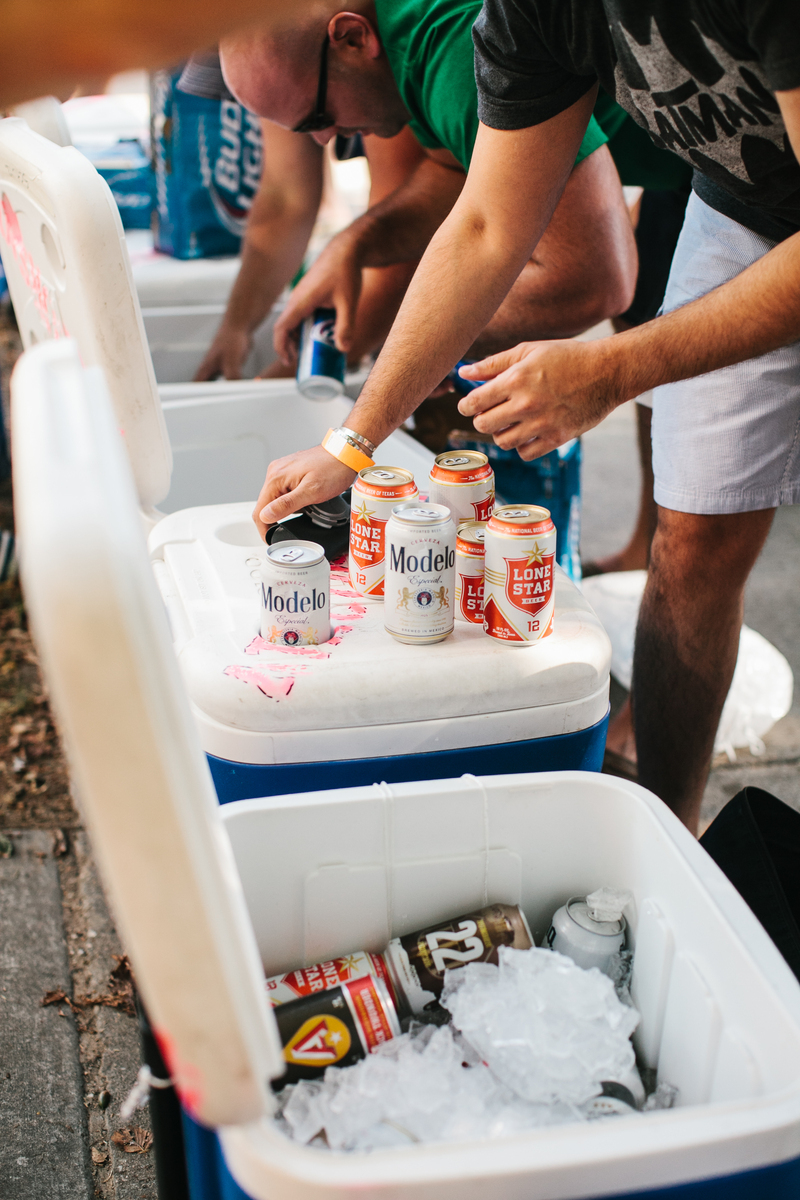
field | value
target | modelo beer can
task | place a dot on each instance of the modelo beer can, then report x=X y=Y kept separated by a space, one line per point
x=518 y=597
x=418 y=603
x=417 y=962
x=469 y=571
x=335 y=1027
x=590 y=937
x=464 y=481
x=306 y=981
x=295 y=591
x=320 y=366
x=375 y=493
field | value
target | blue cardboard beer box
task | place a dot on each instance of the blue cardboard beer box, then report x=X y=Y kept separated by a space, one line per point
x=207 y=156
x=128 y=171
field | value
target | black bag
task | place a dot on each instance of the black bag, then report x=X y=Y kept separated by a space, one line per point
x=755 y=840
x=328 y=524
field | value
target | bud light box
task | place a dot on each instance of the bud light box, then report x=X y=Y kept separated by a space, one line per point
x=129 y=173
x=208 y=157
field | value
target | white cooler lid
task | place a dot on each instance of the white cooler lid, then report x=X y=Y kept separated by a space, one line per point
x=65 y=257
x=143 y=783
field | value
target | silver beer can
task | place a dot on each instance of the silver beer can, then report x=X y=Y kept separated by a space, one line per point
x=419 y=588
x=295 y=595
x=590 y=933
x=470 y=555
x=463 y=480
x=518 y=588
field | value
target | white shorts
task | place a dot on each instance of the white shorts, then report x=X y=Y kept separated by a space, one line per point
x=728 y=441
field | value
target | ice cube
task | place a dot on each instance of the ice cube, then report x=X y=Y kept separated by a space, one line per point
x=549 y=1030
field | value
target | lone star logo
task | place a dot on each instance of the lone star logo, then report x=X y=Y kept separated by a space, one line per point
x=535 y=555
x=364 y=515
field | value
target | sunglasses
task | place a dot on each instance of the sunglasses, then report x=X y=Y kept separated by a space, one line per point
x=319 y=118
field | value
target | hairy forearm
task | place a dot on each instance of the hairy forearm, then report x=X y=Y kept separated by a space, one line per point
x=398 y=229
x=271 y=256
x=754 y=313
x=382 y=294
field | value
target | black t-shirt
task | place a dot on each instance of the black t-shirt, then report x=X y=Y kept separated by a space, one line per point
x=698 y=75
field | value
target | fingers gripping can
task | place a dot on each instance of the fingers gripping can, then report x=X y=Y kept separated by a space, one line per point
x=469 y=571
x=375 y=493
x=320 y=366
x=417 y=962
x=518 y=599
x=420 y=573
x=464 y=481
x=307 y=981
x=335 y=1028
x=295 y=590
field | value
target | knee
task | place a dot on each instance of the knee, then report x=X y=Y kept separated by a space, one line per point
x=710 y=554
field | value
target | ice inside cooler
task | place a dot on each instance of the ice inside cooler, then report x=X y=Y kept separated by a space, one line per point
x=720 y=1010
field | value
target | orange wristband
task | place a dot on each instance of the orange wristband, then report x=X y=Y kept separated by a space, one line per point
x=339 y=447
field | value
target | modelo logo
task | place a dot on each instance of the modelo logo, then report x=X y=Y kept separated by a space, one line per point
x=295 y=603
x=428 y=563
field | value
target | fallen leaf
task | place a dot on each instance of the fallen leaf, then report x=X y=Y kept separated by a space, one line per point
x=60 y=844
x=135 y=1141
x=99 y=1156
x=58 y=997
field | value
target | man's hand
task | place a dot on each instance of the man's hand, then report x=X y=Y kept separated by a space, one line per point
x=299 y=479
x=333 y=281
x=541 y=394
x=226 y=355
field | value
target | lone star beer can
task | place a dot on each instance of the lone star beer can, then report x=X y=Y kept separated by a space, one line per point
x=418 y=961
x=518 y=599
x=375 y=493
x=320 y=366
x=420 y=573
x=295 y=590
x=469 y=571
x=307 y=981
x=464 y=481
x=335 y=1028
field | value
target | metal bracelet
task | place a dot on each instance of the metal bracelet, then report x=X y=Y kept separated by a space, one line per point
x=361 y=443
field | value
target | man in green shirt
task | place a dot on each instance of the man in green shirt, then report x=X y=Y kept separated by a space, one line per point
x=386 y=64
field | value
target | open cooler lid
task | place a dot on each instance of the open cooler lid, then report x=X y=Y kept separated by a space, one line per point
x=143 y=783
x=66 y=260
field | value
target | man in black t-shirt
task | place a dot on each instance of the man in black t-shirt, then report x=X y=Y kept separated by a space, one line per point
x=718 y=82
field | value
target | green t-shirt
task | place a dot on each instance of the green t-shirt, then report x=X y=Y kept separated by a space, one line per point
x=429 y=47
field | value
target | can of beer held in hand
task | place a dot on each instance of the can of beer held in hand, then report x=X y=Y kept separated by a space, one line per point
x=518 y=597
x=469 y=571
x=375 y=493
x=335 y=1028
x=295 y=590
x=320 y=366
x=420 y=573
x=307 y=981
x=464 y=481
x=417 y=962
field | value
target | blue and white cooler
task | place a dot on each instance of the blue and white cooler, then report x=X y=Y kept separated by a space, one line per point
x=362 y=707
x=209 y=898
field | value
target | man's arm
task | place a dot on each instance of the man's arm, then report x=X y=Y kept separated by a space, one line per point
x=49 y=47
x=396 y=230
x=278 y=228
x=514 y=184
x=542 y=394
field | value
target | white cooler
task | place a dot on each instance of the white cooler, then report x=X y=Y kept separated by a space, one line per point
x=208 y=898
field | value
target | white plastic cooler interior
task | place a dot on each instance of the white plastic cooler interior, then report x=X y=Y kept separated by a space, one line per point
x=69 y=274
x=335 y=871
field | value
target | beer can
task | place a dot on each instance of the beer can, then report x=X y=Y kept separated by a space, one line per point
x=464 y=481
x=306 y=981
x=320 y=366
x=420 y=581
x=374 y=494
x=469 y=571
x=588 y=942
x=418 y=961
x=295 y=590
x=518 y=597
x=335 y=1027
